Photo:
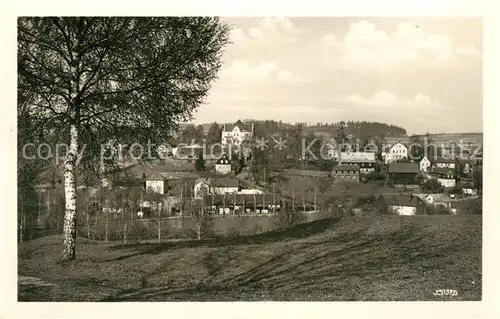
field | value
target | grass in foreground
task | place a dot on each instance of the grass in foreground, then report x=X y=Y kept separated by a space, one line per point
x=360 y=258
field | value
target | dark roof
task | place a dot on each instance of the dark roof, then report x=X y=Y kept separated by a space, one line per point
x=222 y=158
x=442 y=171
x=397 y=139
x=242 y=126
x=401 y=200
x=465 y=204
x=155 y=176
x=239 y=199
x=403 y=167
x=225 y=182
x=220 y=182
x=301 y=172
x=346 y=168
x=443 y=160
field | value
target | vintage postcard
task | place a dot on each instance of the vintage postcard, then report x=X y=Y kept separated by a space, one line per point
x=207 y=158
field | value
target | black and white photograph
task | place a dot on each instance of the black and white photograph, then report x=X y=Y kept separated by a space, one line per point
x=205 y=158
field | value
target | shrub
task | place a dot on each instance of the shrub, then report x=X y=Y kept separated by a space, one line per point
x=432 y=186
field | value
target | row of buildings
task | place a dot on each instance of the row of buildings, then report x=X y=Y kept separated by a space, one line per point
x=419 y=204
x=444 y=170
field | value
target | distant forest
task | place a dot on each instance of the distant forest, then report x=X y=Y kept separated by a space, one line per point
x=358 y=129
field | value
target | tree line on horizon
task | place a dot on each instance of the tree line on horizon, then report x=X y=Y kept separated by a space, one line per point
x=211 y=132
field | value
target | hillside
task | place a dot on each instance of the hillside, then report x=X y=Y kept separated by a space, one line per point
x=473 y=138
x=359 y=129
x=358 y=258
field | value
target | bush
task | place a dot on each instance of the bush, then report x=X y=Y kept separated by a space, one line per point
x=287 y=218
x=365 y=200
x=432 y=186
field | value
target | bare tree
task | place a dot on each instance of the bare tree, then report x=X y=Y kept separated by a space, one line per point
x=155 y=201
x=200 y=222
x=286 y=218
x=98 y=80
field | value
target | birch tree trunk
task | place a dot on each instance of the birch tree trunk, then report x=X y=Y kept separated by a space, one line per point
x=21 y=228
x=159 y=221
x=69 y=230
x=87 y=210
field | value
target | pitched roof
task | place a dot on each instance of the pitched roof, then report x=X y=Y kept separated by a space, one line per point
x=242 y=126
x=225 y=182
x=222 y=158
x=303 y=172
x=443 y=160
x=401 y=200
x=357 y=157
x=219 y=182
x=403 y=167
x=346 y=168
x=438 y=198
x=155 y=176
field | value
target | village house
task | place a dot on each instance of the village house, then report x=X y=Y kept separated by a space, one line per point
x=237 y=133
x=397 y=152
x=215 y=186
x=346 y=173
x=223 y=165
x=444 y=163
x=404 y=173
x=434 y=199
x=364 y=160
x=445 y=176
x=404 y=205
x=468 y=189
x=156 y=183
x=424 y=164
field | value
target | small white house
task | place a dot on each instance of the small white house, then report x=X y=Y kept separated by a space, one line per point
x=156 y=184
x=434 y=199
x=397 y=152
x=424 y=164
x=403 y=205
x=202 y=188
x=447 y=182
x=469 y=191
x=215 y=186
x=223 y=165
x=443 y=163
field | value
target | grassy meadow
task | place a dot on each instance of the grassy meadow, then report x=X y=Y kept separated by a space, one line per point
x=356 y=258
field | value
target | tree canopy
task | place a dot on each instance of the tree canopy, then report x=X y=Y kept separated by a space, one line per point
x=92 y=81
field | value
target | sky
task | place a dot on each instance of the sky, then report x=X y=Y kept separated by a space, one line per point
x=423 y=74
